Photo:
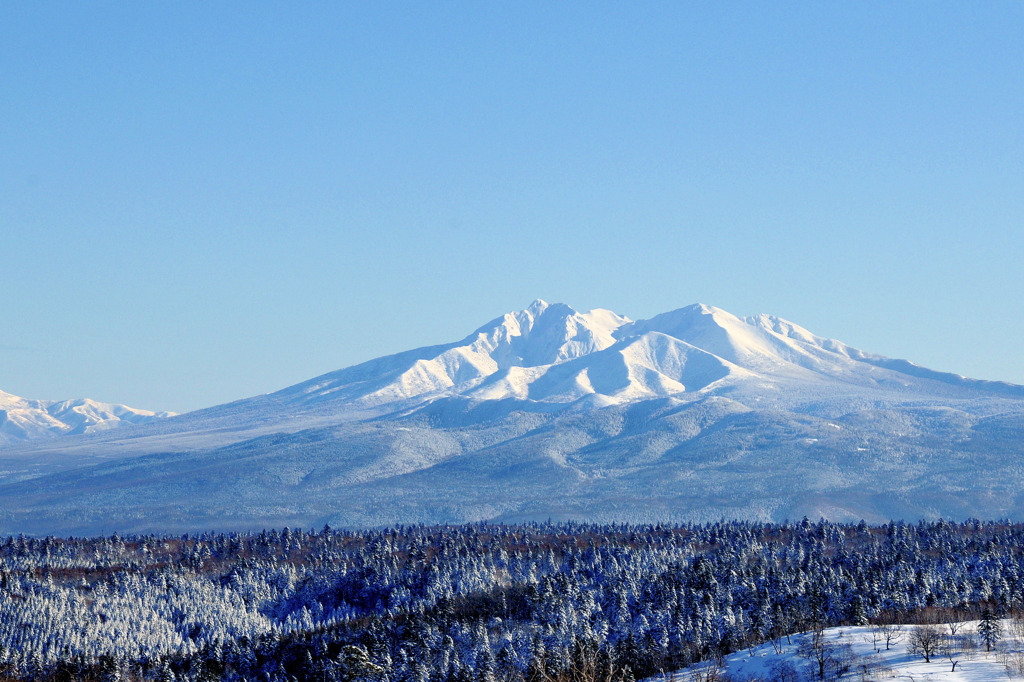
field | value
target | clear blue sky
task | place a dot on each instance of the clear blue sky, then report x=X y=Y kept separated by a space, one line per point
x=204 y=201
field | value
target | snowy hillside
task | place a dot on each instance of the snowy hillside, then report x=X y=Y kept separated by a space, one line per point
x=547 y=412
x=860 y=653
x=22 y=419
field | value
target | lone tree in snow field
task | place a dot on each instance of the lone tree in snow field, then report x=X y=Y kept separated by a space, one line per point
x=989 y=628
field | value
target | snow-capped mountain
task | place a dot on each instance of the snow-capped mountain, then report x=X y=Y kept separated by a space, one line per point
x=22 y=419
x=515 y=350
x=550 y=353
x=695 y=414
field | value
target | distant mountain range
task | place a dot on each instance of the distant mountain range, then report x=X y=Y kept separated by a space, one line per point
x=695 y=414
x=22 y=419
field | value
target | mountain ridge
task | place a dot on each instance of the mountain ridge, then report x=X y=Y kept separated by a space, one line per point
x=25 y=419
x=758 y=344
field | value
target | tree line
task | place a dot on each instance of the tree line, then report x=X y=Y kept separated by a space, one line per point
x=535 y=602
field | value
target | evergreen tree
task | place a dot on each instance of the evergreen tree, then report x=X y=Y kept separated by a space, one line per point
x=989 y=628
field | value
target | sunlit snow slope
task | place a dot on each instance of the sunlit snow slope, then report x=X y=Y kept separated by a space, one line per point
x=694 y=414
x=550 y=353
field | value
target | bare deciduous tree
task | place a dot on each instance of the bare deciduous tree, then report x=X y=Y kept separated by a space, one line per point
x=954 y=617
x=830 y=660
x=892 y=633
x=783 y=671
x=925 y=640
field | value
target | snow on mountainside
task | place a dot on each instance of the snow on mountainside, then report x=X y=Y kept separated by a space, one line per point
x=551 y=353
x=537 y=338
x=22 y=419
x=547 y=412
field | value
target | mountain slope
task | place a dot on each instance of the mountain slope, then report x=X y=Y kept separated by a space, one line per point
x=546 y=412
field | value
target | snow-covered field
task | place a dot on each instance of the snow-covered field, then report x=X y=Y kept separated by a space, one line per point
x=861 y=654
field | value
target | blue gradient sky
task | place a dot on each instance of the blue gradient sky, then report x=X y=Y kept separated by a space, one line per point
x=205 y=201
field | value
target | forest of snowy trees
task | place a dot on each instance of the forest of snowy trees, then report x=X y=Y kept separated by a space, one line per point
x=535 y=602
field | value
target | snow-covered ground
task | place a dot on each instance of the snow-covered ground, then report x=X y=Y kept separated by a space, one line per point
x=862 y=651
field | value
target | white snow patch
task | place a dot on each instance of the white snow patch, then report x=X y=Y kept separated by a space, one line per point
x=870 y=660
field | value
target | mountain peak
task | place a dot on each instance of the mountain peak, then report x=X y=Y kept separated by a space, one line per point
x=552 y=353
x=544 y=334
x=538 y=306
